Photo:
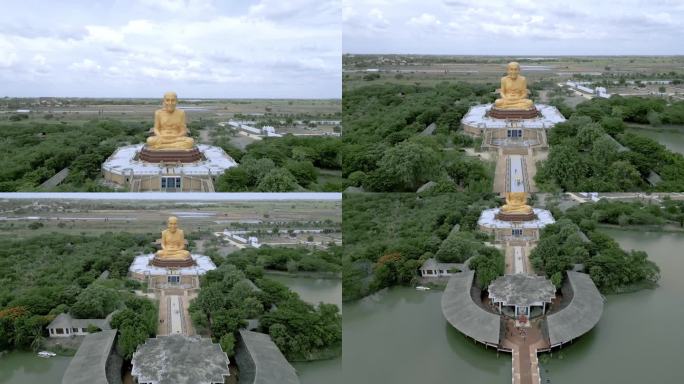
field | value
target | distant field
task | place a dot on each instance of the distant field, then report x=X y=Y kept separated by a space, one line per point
x=73 y=216
x=143 y=109
x=429 y=70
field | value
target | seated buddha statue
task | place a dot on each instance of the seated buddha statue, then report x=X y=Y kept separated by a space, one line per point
x=516 y=203
x=513 y=90
x=170 y=131
x=172 y=242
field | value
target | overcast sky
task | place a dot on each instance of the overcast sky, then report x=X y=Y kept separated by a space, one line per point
x=514 y=27
x=199 y=48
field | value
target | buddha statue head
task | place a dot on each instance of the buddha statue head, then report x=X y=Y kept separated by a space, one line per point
x=513 y=70
x=170 y=101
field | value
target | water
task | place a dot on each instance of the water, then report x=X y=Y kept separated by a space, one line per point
x=315 y=290
x=25 y=367
x=399 y=336
x=670 y=138
x=640 y=336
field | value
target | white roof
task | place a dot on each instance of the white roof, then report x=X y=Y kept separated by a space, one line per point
x=488 y=219
x=122 y=162
x=476 y=117
x=141 y=265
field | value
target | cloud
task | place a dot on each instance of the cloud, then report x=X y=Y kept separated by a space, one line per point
x=516 y=26
x=86 y=65
x=424 y=20
x=238 y=50
x=179 y=5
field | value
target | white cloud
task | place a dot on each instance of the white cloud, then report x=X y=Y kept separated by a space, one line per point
x=233 y=51
x=515 y=26
x=425 y=20
x=86 y=65
x=179 y=5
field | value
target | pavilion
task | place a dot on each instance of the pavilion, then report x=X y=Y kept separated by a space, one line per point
x=522 y=292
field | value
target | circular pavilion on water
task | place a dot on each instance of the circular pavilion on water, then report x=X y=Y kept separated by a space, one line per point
x=516 y=295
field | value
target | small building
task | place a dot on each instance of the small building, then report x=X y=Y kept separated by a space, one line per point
x=66 y=326
x=432 y=268
x=261 y=362
x=180 y=359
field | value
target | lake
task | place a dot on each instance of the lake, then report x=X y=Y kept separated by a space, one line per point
x=400 y=336
x=671 y=138
x=18 y=367
x=315 y=290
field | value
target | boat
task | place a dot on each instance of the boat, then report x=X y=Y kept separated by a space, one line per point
x=46 y=354
x=422 y=288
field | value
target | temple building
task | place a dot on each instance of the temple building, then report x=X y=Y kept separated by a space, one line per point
x=513 y=120
x=180 y=359
x=516 y=220
x=172 y=265
x=170 y=160
x=515 y=295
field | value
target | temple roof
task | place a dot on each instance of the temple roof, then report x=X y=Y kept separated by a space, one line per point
x=522 y=290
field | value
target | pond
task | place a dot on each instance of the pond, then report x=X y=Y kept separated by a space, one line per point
x=672 y=138
x=18 y=367
x=399 y=336
x=315 y=290
x=639 y=337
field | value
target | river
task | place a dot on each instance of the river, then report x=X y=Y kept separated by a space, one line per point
x=672 y=138
x=399 y=335
x=638 y=339
x=26 y=367
x=315 y=290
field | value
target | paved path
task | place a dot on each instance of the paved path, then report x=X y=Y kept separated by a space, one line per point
x=523 y=342
x=175 y=316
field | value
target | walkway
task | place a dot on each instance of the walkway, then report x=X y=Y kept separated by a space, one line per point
x=524 y=341
x=174 y=318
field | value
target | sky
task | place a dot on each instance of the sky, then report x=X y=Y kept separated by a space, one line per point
x=198 y=48
x=514 y=27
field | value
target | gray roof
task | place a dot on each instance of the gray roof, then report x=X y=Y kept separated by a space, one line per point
x=619 y=147
x=432 y=263
x=261 y=362
x=581 y=315
x=89 y=365
x=464 y=314
x=179 y=359
x=522 y=290
x=654 y=178
x=64 y=320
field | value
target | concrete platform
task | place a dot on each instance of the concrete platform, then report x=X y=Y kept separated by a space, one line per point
x=488 y=219
x=477 y=118
x=122 y=161
x=141 y=267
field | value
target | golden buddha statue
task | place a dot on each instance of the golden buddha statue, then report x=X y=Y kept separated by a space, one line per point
x=513 y=90
x=516 y=203
x=170 y=131
x=172 y=242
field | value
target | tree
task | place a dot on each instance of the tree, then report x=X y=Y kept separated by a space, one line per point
x=405 y=167
x=227 y=343
x=277 y=180
x=95 y=302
